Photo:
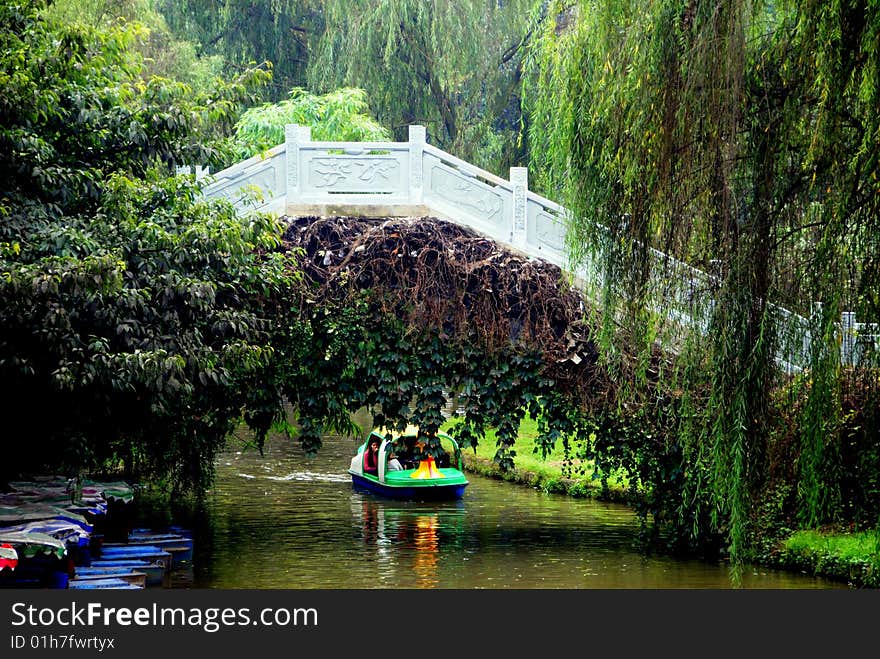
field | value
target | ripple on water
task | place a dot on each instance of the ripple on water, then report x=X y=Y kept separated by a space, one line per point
x=312 y=476
x=283 y=520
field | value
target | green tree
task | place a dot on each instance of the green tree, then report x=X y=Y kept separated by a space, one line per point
x=739 y=138
x=160 y=52
x=341 y=115
x=454 y=67
x=131 y=313
x=242 y=32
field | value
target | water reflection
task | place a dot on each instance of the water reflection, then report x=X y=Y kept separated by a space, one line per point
x=406 y=536
x=283 y=520
x=426 y=545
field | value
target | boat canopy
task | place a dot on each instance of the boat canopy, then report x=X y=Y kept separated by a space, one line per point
x=394 y=441
x=31 y=543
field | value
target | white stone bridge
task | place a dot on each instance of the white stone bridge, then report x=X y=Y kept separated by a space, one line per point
x=416 y=179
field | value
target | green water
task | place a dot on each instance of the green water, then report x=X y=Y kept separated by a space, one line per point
x=286 y=521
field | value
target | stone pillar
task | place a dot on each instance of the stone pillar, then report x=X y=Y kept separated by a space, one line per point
x=417 y=137
x=519 y=180
x=806 y=347
x=847 y=337
x=294 y=135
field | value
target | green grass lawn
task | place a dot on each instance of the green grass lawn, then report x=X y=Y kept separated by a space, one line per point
x=846 y=546
x=532 y=468
x=854 y=557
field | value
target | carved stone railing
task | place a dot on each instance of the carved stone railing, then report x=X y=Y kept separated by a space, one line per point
x=302 y=177
x=414 y=178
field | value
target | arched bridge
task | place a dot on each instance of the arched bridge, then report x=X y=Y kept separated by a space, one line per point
x=413 y=179
x=396 y=179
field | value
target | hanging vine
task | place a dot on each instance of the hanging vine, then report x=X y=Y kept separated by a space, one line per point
x=409 y=315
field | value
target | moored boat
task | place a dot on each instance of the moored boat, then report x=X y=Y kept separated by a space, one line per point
x=146 y=553
x=50 y=525
x=129 y=575
x=102 y=584
x=155 y=572
x=8 y=557
x=180 y=548
x=416 y=474
x=32 y=543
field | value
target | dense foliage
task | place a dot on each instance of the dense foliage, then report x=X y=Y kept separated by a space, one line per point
x=158 y=50
x=244 y=32
x=454 y=67
x=131 y=319
x=339 y=116
x=412 y=317
x=741 y=138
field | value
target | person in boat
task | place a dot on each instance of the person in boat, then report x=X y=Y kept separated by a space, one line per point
x=371 y=458
x=406 y=449
x=393 y=462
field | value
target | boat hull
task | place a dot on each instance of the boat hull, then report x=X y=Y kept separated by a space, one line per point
x=111 y=583
x=433 y=492
x=181 y=549
x=125 y=574
x=155 y=573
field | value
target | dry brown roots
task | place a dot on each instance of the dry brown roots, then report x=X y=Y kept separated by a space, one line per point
x=439 y=274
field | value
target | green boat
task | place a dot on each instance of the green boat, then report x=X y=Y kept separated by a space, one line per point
x=400 y=471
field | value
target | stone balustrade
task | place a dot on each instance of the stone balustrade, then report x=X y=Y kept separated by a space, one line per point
x=412 y=179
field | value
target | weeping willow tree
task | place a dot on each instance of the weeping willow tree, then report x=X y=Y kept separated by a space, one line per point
x=453 y=66
x=160 y=52
x=242 y=32
x=741 y=139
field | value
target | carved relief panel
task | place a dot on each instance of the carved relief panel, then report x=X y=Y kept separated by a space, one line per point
x=471 y=196
x=267 y=179
x=367 y=174
x=546 y=229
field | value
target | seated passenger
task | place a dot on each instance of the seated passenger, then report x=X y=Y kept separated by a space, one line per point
x=405 y=452
x=371 y=458
x=393 y=462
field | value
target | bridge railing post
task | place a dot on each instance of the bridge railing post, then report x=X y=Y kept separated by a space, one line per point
x=847 y=338
x=417 y=138
x=294 y=135
x=186 y=170
x=519 y=181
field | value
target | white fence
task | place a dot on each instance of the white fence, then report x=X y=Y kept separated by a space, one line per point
x=302 y=177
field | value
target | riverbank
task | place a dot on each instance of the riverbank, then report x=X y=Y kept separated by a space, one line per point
x=851 y=557
x=545 y=480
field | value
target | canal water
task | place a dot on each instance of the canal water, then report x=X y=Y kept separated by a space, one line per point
x=283 y=520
